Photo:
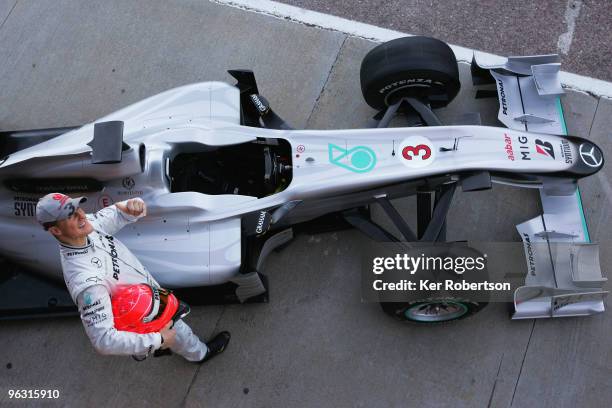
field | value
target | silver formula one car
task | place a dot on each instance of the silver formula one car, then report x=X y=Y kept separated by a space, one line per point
x=226 y=179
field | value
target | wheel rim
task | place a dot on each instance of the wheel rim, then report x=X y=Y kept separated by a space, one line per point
x=439 y=311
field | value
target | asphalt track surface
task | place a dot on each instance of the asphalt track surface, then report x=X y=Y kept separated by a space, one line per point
x=579 y=31
x=315 y=343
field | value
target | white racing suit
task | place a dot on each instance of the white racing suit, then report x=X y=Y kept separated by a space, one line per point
x=93 y=272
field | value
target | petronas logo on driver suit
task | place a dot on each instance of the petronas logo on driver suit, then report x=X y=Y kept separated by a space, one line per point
x=114 y=255
x=359 y=159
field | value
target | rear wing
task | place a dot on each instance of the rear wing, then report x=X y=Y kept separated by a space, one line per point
x=564 y=276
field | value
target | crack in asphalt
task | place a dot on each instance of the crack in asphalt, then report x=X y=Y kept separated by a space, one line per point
x=495 y=382
x=331 y=69
x=9 y=14
x=594 y=116
x=522 y=363
x=197 y=371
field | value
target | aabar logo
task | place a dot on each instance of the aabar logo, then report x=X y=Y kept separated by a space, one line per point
x=508 y=147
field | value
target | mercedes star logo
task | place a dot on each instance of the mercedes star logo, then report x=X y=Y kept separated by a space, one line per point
x=591 y=156
x=96 y=262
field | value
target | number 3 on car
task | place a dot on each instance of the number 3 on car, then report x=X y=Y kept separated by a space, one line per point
x=409 y=151
x=416 y=151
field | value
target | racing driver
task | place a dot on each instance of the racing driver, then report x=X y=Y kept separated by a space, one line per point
x=95 y=264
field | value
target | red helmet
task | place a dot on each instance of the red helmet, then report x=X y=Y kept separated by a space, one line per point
x=143 y=308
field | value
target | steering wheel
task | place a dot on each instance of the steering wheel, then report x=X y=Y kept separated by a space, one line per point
x=273 y=170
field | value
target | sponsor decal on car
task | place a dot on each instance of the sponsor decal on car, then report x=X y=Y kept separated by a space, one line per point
x=359 y=159
x=300 y=149
x=128 y=183
x=261 y=106
x=502 y=94
x=545 y=148
x=260 y=222
x=508 y=147
x=416 y=151
x=25 y=206
x=104 y=201
x=410 y=82
x=566 y=152
x=133 y=193
x=529 y=253
x=590 y=155
x=524 y=147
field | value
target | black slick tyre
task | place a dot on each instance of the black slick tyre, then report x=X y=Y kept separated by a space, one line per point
x=432 y=310
x=419 y=67
x=438 y=301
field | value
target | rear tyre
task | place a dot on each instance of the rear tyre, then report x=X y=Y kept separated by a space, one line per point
x=418 y=67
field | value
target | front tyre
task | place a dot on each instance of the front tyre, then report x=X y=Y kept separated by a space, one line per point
x=432 y=310
x=438 y=302
x=418 y=67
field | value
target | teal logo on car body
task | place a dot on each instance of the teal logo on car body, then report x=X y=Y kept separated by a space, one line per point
x=361 y=159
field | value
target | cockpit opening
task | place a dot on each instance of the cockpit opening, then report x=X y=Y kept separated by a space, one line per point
x=259 y=168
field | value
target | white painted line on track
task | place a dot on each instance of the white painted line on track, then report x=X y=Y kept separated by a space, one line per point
x=572 y=11
x=596 y=87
